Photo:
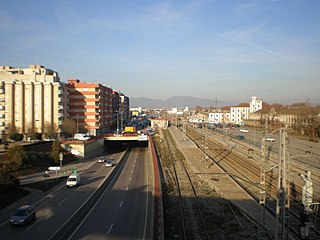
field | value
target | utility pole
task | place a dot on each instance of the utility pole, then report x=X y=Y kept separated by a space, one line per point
x=283 y=186
x=263 y=170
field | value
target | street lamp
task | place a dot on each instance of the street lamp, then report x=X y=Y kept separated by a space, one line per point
x=77 y=122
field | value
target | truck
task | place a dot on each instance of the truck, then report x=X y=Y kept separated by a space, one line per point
x=130 y=129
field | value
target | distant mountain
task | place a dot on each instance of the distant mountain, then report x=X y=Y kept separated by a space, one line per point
x=177 y=101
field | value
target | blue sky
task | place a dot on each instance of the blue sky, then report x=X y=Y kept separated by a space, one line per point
x=225 y=49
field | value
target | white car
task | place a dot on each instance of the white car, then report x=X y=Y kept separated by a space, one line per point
x=244 y=130
x=73 y=180
x=101 y=159
x=270 y=139
x=109 y=163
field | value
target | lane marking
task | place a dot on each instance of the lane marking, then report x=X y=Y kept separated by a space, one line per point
x=130 y=179
x=61 y=202
x=110 y=228
x=127 y=188
x=34 y=223
x=121 y=204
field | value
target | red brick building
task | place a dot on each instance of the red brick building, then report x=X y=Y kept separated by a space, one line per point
x=90 y=106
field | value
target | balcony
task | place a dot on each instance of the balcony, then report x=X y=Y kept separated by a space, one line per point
x=2 y=115
x=2 y=107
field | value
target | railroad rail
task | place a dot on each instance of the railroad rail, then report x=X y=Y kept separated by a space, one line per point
x=233 y=157
x=190 y=224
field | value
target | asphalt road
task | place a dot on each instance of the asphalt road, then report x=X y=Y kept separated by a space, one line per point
x=54 y=209
x=125 y=210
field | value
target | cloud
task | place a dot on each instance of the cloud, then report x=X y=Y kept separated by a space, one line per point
x=246 y=6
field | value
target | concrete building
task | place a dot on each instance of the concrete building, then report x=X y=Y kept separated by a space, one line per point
x=31 y=100
x=220 y=116
x=120 y=110
x=239 y=113
x=255 y=104
x=236 y=114
x=90 y=106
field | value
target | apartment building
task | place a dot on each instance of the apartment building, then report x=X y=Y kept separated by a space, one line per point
x=31 y=100
x=90 y=106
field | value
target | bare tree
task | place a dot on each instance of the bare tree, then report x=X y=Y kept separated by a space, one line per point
x=50 y=130
x=69 y=126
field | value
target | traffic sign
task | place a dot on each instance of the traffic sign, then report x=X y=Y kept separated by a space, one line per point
x=54 y=168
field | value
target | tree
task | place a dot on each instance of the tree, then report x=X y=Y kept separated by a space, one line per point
x=16 y=154
x=37 y=135
x=69 y=126
x=55 y=151
x=15 y=136
x=50 y=130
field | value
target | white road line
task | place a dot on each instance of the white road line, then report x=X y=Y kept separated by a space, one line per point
x=34 y=224
x=130 y=179
x=61 y=202
x=121 y=204
x=127 y=188
x=110 y=228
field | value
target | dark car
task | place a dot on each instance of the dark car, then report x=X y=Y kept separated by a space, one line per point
x=240 y=137
x=23 y=215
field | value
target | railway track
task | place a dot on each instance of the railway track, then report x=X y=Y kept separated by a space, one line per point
x=193 y=223
x=232 y=158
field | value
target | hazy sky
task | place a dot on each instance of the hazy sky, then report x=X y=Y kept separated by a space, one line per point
x=225 y=49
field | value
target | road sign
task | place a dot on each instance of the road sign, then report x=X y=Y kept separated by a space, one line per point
x=54 y=168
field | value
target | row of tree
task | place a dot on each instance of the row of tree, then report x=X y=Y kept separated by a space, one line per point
x=16 y=158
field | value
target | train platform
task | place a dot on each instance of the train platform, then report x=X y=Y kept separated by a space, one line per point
x=223 y=183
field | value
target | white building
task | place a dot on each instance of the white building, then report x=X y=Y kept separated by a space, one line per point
x=219 y=116
x=255 y=104
x=236 y=114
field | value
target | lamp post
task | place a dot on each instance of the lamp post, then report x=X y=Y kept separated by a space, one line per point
x=77 y=122
x=117 y=122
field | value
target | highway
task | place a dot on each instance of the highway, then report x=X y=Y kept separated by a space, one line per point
x=58 y=206
x=125 y=209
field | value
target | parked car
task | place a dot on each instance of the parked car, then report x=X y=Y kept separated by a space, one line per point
x=73 y=180
x=240 y=137
x=80 y=136
x=270 y=139
x=102 y=159
x=23 y=215
x=244 y=130
x=109 y=163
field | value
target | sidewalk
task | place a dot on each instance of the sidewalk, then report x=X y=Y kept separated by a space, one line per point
x=221 y=182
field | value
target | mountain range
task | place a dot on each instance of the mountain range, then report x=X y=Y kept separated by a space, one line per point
x=177 y=101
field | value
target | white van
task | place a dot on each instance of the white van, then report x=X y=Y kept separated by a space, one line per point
x=73 y=180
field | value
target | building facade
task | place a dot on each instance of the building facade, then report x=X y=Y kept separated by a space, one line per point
x=236 y=114
x=31 y=100
x=90 y=106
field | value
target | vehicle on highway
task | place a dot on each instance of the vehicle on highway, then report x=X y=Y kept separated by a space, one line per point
x=244 y=130
x=270 y=139
x=102 y=159
x=109 y=163
x=23 y=215
x=73 y=180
